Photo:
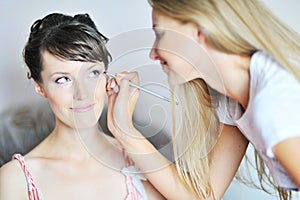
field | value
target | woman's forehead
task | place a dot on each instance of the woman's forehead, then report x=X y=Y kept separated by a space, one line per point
x=52 y=64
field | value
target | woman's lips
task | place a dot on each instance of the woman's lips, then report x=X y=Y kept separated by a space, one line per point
x=83 y=108
x=164 y=66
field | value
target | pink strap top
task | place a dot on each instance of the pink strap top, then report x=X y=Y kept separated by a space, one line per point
x=33 y=192
x=135 y=188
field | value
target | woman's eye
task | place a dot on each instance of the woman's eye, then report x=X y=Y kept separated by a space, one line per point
x=94 y=74
x=62 y=80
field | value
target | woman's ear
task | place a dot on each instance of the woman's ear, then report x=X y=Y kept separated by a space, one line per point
x=39 y=89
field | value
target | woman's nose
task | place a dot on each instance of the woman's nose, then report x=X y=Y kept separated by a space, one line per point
x=153 y=53
x=80 y=91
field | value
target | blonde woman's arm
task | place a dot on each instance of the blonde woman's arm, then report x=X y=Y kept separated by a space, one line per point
x=287 y=153
x=159 y=171
x=162 y=174
x=226 y=158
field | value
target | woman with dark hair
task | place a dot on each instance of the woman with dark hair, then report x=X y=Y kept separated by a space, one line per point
x=67 y=59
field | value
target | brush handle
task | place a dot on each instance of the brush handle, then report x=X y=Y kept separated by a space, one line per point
x=144 y=89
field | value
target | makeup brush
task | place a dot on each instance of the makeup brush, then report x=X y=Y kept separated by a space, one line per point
x=144 y=90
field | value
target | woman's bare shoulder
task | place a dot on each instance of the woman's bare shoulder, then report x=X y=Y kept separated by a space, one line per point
x=11 y=169
x=13 y=183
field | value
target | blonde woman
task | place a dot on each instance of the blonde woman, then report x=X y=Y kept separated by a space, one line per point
x=237 y=71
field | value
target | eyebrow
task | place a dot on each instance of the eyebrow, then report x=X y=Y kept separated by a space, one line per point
x=67 y=73
x=95 y=64
x=63 y=73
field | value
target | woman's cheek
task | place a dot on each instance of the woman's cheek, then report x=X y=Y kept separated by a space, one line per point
x=100 y=91
x=60 y=96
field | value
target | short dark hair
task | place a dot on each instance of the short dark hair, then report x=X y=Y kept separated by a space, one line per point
x=70 y=38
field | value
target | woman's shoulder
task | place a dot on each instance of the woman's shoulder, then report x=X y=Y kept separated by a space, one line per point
x=12 y=170
x=13 y=185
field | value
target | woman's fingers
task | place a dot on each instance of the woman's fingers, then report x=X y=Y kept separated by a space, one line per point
x=130 y=76
x=121 y=103
x=111 y=102
x=128 y=91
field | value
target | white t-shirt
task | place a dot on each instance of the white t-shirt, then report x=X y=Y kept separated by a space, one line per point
x=272 y=114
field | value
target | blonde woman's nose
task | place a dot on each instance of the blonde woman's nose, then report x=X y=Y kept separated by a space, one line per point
x=153 y=54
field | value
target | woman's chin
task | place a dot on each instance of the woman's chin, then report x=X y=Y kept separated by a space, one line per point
x=174 y=81
x=85 y=121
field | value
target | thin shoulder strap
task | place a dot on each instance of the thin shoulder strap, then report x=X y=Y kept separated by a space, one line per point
x=128 y=162
x=133 y=192
x=33 y=191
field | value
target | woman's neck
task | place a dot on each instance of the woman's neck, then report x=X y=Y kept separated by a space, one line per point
x=239 y=86
x=232 y=74
x=67 y=142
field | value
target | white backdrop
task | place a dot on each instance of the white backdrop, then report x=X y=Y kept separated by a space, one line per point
x=113 y=17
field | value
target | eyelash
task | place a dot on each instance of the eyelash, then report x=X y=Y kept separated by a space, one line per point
x=92 y=74
x=63 y=77
x=95 y=73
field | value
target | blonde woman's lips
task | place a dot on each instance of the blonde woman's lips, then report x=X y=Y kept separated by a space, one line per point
x=83 y=108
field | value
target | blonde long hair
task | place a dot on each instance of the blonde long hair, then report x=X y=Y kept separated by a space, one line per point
x=234 y=27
